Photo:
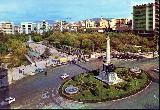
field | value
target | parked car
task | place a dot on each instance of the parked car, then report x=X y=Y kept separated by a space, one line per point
x=156 y=70
x=64 y=76
x=86 y=60
x=64 y=63
x=8 y=101
x=39 y=70
x=59 y=64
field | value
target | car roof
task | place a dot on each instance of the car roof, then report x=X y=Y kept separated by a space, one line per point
x=8 y=98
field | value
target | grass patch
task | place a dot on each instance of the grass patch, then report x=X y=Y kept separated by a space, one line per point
x=93 y=90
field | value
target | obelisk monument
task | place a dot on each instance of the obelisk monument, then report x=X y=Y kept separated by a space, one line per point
x=108 y=74
x=107 y=61
x=108 y=53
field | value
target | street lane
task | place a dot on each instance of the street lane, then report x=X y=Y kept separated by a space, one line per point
x=34 y=85
x=28 y=91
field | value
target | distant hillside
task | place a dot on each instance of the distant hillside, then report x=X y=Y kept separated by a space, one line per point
x=49 y=21
x=97 y=19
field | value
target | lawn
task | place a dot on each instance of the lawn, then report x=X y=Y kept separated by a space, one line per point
x=94 y=90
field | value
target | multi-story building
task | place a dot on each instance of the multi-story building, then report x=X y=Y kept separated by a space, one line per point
x=17 y=29
x=156 y=17
x=120 y=24
x=103 y=23
x=7 y=27
x=82 y=24
x=42 y=27
x=27 y=27
x=144 y=18
x=89 y=24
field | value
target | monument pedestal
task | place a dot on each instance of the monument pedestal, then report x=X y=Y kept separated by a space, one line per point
x=108 y=75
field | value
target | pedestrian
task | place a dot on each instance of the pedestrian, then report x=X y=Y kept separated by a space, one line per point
x=35 y=65
x=19 y=70
x=23 y=71
x=45 y=73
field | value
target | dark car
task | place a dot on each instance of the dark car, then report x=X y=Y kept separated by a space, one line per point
x=39 y=70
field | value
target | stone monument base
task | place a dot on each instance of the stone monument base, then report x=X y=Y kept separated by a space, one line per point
x=110 y=78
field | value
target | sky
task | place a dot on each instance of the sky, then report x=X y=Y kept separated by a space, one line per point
x=35 y=10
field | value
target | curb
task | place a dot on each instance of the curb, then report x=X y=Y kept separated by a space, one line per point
x=133 y=94
x=111 y=100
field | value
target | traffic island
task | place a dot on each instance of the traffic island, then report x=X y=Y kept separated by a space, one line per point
x=92 y=90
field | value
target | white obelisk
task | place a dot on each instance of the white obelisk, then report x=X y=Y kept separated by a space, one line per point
x=108 y=57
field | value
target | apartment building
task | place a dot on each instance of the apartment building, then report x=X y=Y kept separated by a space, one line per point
x=103 y=23
x=120 y=24
x=90 y=24
x=27 y=27
x=82 y=24
x=42 y=27
x=17 y=29
x=144 y=18
x=156 y=17
x=7 y=27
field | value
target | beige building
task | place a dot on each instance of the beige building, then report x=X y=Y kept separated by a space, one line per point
x=119 y=22
x=7 y=27
x=89 y=24
x=102 y=23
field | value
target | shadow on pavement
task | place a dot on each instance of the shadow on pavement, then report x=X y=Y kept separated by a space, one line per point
x=151 y=106
x=4 y=89
x=156 y=80
x=82 y=67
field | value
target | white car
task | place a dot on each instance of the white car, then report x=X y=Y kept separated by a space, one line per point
x=8 y=100
x=86 y=60
x=156 y=70
x=64 y=76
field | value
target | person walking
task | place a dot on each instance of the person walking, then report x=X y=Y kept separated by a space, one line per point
x=23 y=71
x=45 y=73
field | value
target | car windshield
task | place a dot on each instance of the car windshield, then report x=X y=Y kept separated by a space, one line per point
x=9 y=98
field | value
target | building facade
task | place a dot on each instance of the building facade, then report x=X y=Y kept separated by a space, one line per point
x=103 y=23
x=17 y=29
x=27 y=27
x=7 y=27
x=157 y=17
x=89 y=24
x=144 y=18
x=120 y=24
x=42 y=27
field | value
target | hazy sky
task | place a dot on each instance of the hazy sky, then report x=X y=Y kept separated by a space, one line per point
x=32 y=10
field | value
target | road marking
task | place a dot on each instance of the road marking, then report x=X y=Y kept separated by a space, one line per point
x=156 y=97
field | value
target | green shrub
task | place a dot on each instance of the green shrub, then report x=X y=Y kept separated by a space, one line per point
x=95 y=72
x=94 y=91
x=107 y=86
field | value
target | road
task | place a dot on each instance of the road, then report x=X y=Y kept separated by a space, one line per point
x=40 y=91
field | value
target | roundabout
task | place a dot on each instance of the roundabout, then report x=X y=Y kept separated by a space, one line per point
x=89 y=89
x=110 y=83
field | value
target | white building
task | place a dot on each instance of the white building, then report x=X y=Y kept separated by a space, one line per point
x=27 y=27
x=17 y=29
x=7 y=27
x=42 y=27
x=89 y=24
